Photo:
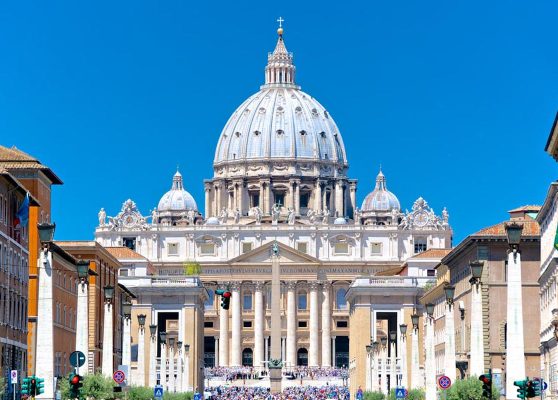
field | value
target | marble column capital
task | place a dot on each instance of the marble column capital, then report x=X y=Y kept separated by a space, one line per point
x=259 y=285
x=235 y=285
x=314 y=285
x=291 y=285
x=326 y=285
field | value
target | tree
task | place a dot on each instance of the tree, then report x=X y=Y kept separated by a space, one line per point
x=98 y=386
x=192 y=268
x=470 y=389
x=413 y=394
x=140 y=393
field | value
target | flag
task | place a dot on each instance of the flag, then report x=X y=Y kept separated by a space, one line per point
x=22 y=215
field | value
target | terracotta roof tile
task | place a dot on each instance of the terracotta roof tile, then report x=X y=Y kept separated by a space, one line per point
x=530 y=228
x=433 y=253
x=533 y=208
x=15 y=154
x=13 y=158
x=124 y=253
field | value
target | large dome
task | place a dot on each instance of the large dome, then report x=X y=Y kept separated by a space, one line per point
x=177 y=199
x=380 y=199
x=281 y=124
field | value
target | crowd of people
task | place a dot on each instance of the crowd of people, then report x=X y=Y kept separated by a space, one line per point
x=291 y=393
x=234 y=373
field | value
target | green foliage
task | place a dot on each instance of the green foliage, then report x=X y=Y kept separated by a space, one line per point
x=65 y=387
x=413 y=394
x=192 y=268
x=470 y=389
x=178 y=396
x=97 y=386
x=374 y=396
x=140 y=393
x=2 y=386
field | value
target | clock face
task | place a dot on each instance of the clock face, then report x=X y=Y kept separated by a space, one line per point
x=421 y=219
x=129 y=220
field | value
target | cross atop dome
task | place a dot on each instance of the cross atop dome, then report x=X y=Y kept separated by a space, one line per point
x=280 y=70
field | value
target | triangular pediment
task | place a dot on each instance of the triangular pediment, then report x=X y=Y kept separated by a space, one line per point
x=264 y=254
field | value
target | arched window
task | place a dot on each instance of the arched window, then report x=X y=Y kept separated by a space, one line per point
x=247 y=301
x=302 y=357
x=302 y=301
x=340 y=299
x=247 y=358
x=210 y=299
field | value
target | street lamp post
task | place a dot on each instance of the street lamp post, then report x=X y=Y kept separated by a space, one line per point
x=153 y=355
x=179 y=368
x=186 y=377
x=82 y=323
x=393 y=359
x=403 y=352
x=163 y=367
x=108 y=344
x=477 y=347
x=44 y=359
x=369 y=367
x=449 y=345
x=515 y=348
x=383 y=372
x=172 y=380
x=416 y=382
x=127 y=335
x=375 y=355
x=141 y=349
x=430 y=370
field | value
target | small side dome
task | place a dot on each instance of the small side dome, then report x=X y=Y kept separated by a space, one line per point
x=380 y=199
x=340 y=221
x=177 y=199
x=212 y=221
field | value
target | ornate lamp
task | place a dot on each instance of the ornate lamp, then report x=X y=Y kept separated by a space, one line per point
x=187 y=348
x=163 y=336
x=392 y=336
x=476 y=271
x=430 y=309
x=108 y=293
x=369 y=348
x=153 y=330
x=383 y=341
x=82 y=267
x=46 y=232
x=179 y=344
x=127 y=310
x=403 y=330
x=415 y=320
x=513 y=231
x=141 y=320
x=449 y=291
x=375 y=346
x=171 y=342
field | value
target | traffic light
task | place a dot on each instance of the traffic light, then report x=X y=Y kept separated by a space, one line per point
x=40 y=386
x=537 y=386
x=25 y=386
x=530 y=389
x=33 y=386
x=521 y=388
x=486 y=380
x=75 y=385
x=225 y=300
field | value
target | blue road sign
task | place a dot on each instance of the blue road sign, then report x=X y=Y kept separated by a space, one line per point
x=359 y=394
x=158 y=391
x=400 y=393
x=198 y=396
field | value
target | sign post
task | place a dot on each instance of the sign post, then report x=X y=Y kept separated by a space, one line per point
x=401 y=393
x=158 y=392
x=13 y=380
x=444 y=382
x=119 y=376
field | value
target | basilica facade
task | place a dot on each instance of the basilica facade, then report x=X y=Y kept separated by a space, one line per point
x=280 y=177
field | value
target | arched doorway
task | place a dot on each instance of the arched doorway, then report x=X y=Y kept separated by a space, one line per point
x=247 y=358
x=302 y=357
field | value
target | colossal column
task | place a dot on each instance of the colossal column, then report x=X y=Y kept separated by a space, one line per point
x=318 y=196
x=223 y=336
x=326 y=325
x=291 y=323
x=314 y=326
x=258 y=325
x=236 y=337
x=339 y=212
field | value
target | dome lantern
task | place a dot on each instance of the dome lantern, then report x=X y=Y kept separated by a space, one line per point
x=177 y=199
x=380 y=199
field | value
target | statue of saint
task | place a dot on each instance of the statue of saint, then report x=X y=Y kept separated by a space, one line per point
x=154 y=216
x=191 y=216
x=275 y=212
x=237 y=216
x=291 y=217
x=102 y=217
x=325 y=216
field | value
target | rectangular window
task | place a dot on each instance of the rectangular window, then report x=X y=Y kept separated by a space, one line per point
x=431 y=272
x=420 y=245
x=208 y=324
x=247 y=301
x=302 y=303
x=172 y=249
x=207 y=249
x=246 y=324
x=254 y=200
x=129 y=243
x=303 y=324
x=302 y=247
x=342 y=324
x=482 y=253
x=123 y=272
x=341 y=248
x=280 y=199
x=304 y=199
x=246 y=247
x=376 y=249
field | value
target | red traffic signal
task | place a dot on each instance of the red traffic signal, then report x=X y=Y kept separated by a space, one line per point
x=74 y=380
x=227 y=294
x=485 y=379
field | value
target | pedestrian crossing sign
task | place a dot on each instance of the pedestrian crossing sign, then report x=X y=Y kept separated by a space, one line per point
x=400 y=393
x=158 y=392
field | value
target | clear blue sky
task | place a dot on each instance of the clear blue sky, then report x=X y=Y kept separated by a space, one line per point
x=454 y=99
